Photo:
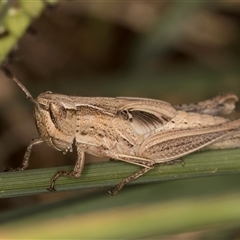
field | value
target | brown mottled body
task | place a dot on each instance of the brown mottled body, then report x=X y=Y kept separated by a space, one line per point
x=136 y=130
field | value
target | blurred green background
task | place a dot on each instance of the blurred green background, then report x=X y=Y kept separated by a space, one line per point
x=170 y=50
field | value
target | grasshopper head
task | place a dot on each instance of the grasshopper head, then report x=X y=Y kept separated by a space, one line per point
x=54 y=116
x=55 y=120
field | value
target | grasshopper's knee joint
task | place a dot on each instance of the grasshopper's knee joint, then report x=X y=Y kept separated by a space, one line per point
x=75 y=174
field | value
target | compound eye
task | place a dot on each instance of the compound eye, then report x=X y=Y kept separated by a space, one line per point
x=57 y=113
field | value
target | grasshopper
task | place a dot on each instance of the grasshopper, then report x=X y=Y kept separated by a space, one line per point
x=139 y=131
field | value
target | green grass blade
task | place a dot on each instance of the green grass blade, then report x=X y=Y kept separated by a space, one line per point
x=108 y=174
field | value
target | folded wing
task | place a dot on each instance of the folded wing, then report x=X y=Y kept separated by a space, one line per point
x=145 y=115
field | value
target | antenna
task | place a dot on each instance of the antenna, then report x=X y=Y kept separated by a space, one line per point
x=27 y=93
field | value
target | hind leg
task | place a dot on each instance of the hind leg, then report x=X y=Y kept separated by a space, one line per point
x=220 y=105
